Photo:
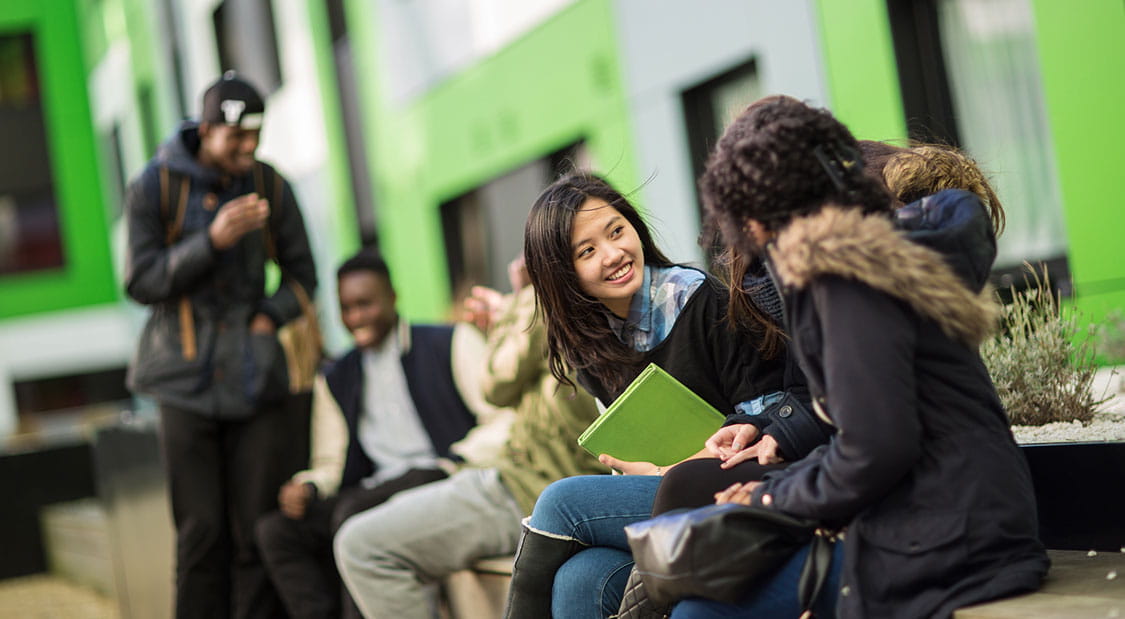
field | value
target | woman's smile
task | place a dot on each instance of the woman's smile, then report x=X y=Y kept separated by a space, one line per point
x=620 y=274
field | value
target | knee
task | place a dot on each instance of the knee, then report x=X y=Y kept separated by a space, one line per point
x=344 y=544
x=358 y=544
x=269 y=531
x=204 y=530
x=686 y=475
x=552 y=503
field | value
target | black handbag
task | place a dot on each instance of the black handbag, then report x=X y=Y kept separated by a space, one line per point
x=717 y=552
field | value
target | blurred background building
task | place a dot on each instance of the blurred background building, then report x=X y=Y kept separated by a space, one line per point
x=427 y=127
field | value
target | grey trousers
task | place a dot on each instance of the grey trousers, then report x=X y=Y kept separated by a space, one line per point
x=388 y=554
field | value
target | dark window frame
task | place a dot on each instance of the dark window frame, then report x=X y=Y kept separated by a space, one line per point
x=704 y=129
x=467 y=211
x=927 y=100
x=261 y=65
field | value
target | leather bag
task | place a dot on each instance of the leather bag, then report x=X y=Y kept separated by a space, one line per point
x=719 y=551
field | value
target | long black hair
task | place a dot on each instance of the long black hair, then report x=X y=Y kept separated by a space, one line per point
x=578 y=334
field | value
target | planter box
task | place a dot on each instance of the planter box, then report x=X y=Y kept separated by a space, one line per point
x=1080 y=490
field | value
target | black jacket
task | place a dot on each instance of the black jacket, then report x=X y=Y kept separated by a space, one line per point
x=951 y=223
x=219 y=291
x=426 y=363
x=936 y=496
x=721 y=366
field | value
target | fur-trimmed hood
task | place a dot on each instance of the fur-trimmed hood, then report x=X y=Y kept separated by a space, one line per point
x=867 y=248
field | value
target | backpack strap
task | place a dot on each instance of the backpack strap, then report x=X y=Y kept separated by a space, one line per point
x=260 y=189
x=267 y=230
x=173 y=228
x=300 y=338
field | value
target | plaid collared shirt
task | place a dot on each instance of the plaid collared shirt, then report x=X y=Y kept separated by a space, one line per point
x=652 y=314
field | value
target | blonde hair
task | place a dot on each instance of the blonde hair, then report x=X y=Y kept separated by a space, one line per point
x=927 y=169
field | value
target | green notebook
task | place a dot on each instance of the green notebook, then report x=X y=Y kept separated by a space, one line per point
x=656 y=419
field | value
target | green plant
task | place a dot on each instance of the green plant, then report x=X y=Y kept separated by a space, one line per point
x=1041 y=364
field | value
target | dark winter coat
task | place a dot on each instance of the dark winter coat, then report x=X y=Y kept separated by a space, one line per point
x=196 y=352
x=936 y=496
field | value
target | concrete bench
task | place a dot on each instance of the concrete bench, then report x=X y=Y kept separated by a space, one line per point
x=1079 y=586
x=479 y=592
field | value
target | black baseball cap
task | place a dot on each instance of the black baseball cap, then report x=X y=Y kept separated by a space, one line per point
x=232 y=101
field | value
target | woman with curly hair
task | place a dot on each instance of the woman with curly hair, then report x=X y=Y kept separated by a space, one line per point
x=923 y=473
x=921 y=180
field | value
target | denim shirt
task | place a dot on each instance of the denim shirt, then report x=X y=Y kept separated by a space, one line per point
x=652 y=314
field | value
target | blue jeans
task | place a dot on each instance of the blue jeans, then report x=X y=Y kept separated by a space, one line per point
x=594 y=510
x=772 y=597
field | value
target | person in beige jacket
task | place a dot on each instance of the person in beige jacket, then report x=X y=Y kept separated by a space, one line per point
x=389 y=415
x=388 y=554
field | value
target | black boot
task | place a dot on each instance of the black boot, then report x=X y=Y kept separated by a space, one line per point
x=538 y=557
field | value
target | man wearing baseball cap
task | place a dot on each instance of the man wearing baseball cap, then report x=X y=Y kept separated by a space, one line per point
x=204 y=218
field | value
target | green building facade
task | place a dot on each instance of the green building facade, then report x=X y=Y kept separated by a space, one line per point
x=428 y=133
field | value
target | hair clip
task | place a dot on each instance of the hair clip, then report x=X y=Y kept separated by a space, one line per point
x=829 y=164
x=837 y=160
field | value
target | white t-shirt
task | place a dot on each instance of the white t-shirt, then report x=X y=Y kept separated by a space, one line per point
x=390 y=432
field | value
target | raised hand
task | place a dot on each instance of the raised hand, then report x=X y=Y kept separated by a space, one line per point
x=236 y=218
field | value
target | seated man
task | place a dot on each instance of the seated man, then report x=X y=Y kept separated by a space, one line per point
x=384 y=419
x=389 y=553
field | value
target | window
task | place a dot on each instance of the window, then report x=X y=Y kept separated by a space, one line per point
x=146 y=108
x=244 y=32
x=708 y=108
x=969 y=75
x=30 y=239
x=483 y=228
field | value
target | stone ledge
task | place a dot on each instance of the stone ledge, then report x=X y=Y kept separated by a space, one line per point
x=1078 y=586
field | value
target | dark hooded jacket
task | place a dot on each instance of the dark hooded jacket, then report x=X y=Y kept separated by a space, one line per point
x=196 y=352
x=924 y=472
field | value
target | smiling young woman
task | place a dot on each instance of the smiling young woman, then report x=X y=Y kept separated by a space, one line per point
x=613 y=303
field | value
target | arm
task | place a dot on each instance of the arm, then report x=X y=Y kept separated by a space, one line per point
x=517 y=350
x=466 y=351
x=294 y=256
x=329 y=442
x=154 y=270
x=792 y=429
x=867 y=345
